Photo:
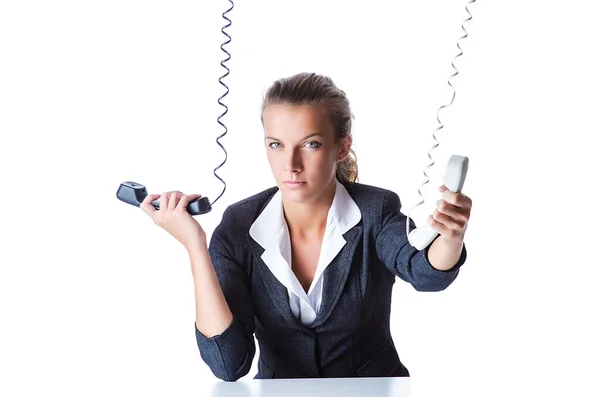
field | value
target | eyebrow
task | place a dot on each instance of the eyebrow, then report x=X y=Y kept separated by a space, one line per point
x=306 y=137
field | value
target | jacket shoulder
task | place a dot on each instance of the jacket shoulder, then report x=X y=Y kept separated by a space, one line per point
x=369 y=198
x=241 y=214
x=361 y=189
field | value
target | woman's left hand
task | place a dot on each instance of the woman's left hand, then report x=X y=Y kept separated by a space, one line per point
x=451 y=216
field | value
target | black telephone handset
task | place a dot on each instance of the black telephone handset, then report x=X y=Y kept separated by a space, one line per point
x=134 y=193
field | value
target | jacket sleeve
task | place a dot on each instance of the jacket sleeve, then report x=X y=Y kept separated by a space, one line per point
x=230 y=354
x=402 y=259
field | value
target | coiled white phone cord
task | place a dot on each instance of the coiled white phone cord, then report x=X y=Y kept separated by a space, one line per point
x=438 y=119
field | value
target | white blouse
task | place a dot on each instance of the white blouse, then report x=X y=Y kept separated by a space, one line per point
x=270 y=230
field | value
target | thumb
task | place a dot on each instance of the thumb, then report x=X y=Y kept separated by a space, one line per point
x=146 y=204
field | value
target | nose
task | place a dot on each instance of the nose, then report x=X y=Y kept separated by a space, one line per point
x=292 y=162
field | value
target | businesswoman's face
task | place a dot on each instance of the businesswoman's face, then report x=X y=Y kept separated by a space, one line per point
x=301 y=150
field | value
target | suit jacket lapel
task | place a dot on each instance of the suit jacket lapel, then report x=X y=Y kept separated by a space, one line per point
x=336 y=274
x=276 y=290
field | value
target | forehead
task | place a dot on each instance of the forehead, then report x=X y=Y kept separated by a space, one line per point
x=284 y=120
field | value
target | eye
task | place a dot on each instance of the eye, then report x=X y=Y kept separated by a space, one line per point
x=315 y=144
x=273 y=143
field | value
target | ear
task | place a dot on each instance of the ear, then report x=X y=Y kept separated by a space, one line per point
x=344 y=149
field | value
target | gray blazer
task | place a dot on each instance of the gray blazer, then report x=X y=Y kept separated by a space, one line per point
x=351 y=335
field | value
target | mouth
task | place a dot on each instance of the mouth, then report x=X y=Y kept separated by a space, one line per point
x=294 y=183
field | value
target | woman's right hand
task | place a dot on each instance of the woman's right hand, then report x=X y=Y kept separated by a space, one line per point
x=174 y=218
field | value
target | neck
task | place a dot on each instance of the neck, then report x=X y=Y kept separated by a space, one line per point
x=313 y=226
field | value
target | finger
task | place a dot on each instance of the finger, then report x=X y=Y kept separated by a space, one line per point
x=451 y=197
x=173 y=200
x=146 y=204
x=441 y=228
x=448 y=222
x=164 y=201
x=185 y=200
x=435 y=225
x=468 y=203
x=457 y=199
x=459 y=213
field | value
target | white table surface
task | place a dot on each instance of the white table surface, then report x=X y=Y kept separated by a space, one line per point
x=314 y=387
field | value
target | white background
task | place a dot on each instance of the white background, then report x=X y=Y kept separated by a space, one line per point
x=95 y=299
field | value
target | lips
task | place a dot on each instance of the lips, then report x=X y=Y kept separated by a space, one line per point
x=295 y=183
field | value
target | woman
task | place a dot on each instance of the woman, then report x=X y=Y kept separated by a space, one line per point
x=308 y=265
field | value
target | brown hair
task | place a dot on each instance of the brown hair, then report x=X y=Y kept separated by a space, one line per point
x=318 y=90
